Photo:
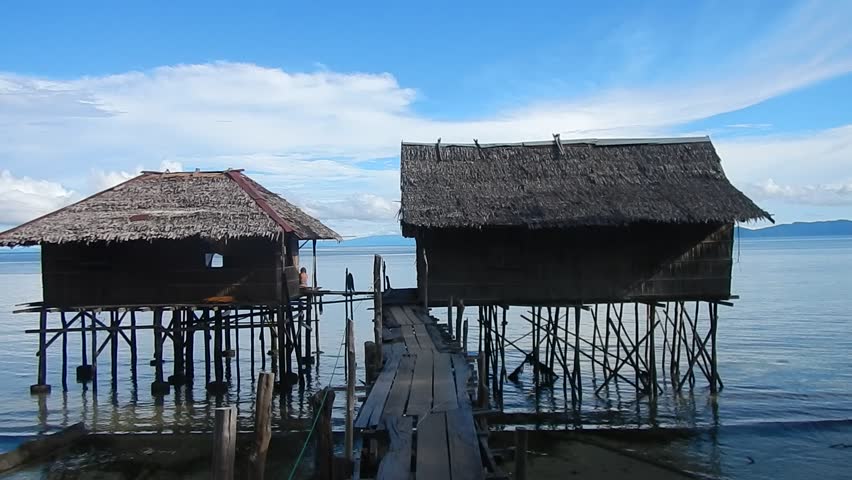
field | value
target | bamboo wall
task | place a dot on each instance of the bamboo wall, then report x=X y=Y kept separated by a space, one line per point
x=603 y=264
x=163 y=272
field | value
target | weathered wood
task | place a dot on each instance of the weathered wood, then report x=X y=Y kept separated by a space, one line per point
x=396 y=464
x=459 y=314
x=224 y=443
x=465 y=461
x=178 y=375
x=401 y=388
x=482 y=384
x=189 y=361
x=714 y=373
x=41 y=385
x=262 y=425
x=420 y=401
x=464 y=337
x=134 y=357
x=433 y=455
x=461 y=375
x=324 y=464
x=521 y=435
x=444 y=387
x=64 y=354
x=450 y=316
x=371 y=411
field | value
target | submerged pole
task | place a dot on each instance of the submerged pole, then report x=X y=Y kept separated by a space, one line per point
x=377 y=310
x=158 y=386
x=41 y=386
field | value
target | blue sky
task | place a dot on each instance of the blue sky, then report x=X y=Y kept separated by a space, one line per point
x=314 y=101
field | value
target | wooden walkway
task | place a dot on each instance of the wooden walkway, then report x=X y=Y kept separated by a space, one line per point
x=420 y=400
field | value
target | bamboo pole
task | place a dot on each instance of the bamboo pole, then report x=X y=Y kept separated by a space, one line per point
x=189 y=361
x=224 y=443
x=377 y=310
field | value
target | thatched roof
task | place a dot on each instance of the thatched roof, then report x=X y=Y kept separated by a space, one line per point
x=570 y=183
x=154 y=205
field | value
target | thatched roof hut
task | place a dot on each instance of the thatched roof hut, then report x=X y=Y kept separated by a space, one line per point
x=216 y=206
x=577 y=183
x=172 y=238
x=580 y=220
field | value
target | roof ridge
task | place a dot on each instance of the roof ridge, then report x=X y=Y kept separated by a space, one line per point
x=601 y=142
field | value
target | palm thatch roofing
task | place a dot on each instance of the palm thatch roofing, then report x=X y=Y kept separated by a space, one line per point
x=568 y=183
x=213 y=205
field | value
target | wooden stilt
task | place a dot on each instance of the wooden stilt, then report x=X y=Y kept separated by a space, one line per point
x=263 y=342
x=189 y=360
x=64 y=352
x=459 y=313
x=218 y=385
x=237 y=345
x=94 y=347
x=158 y=387
x=84 y=371
x=41 y=386
x=714 y=374
x=349 y=439
x=251 y=341
x=224 y=443
x=113 y=343
x=206 y=319
x=262 y=425
x=377 y=310
x=308 y=304
x=652 y=347
x=577 y=375
x=133 y=346
x=177 y=377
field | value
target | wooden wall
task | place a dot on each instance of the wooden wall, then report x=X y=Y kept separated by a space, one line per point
x=161 y=272
x=524 y=267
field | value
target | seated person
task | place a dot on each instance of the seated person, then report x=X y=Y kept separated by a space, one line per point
x=303 y=277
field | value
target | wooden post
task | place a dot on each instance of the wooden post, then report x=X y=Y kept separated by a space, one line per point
x=113 y=346
x=224 y=443
x=41 y=385
x=714 y=374
x=520 y=454
x=370 y=361
x=64 y=353
x=377 y=310
x=177 y=346
x=350 y=389
x=84 y=371
x=464 y=337
x=308 y=327
x=189 y=360
x=425 y=280
x=94 y=355
x=482 y=385
x=158 y=387
x=206 y=319
x=322 y=402
x=218 y=385
x=459 y=313
x=262 y=425
x=450 y=317
x=134 y=357
x=652 y=352
x=577 y=380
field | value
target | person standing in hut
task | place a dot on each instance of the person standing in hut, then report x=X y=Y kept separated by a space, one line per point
x=303 y=278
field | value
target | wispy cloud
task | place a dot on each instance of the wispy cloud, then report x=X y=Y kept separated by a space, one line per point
x=828 y=194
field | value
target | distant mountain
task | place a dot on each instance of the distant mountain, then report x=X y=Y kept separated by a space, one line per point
x=800 y=229
x=374 y=241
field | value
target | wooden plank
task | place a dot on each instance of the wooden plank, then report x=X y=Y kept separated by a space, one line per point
x=423 y=338
x=465 y=461
x=461 y=373
x=399 y=316
x=396 y=463
x=398 y=397
x=420 y=401
x=433 y=455
x=371 y=410
x=444 y=384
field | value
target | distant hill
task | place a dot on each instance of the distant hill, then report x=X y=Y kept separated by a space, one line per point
x=800 y=229
x=374 y=241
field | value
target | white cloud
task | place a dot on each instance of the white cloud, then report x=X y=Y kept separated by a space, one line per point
x=837 y=194
x=24 y=198
x=101 y=180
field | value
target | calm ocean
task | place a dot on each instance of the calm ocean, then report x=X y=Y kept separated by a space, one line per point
x=784 y=355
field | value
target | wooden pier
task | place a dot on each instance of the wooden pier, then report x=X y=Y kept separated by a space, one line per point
x=419 y=407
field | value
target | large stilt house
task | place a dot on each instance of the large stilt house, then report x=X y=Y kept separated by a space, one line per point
x=569 y=222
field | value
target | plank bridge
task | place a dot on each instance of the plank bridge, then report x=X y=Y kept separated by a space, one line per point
x=417 y=421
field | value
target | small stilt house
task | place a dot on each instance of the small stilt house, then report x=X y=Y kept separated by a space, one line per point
x=570 y=222
x=170 y=239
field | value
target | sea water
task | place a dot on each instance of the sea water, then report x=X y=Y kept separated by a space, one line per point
x=784 y=355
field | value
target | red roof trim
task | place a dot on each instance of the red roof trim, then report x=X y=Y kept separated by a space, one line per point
x=238 y=177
